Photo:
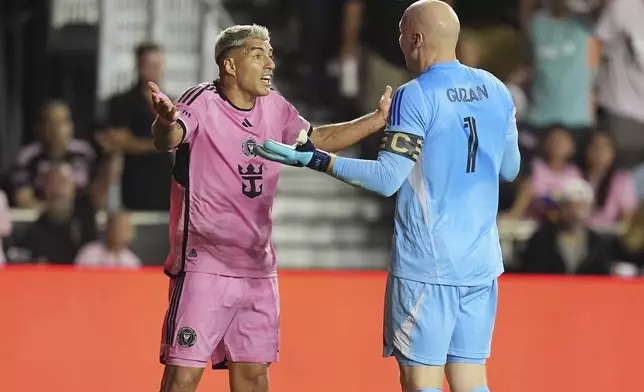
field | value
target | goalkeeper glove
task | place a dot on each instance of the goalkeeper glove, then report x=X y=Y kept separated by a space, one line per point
x=302 y=154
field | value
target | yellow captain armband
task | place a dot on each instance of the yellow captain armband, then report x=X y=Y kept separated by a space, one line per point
x=403 y=144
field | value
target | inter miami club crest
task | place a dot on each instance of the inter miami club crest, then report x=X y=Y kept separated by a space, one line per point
x=248 y=147
x=251 y=180
x=187 y=337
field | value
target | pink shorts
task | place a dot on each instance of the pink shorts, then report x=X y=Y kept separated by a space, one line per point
x=222 y=319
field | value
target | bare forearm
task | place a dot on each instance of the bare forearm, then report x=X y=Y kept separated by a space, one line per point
x=337 y=137
x=166 y=137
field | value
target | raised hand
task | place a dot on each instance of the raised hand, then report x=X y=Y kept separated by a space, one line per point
x=162 y=105
x=385 y=103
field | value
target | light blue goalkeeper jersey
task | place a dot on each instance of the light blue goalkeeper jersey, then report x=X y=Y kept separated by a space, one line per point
x=451 y=135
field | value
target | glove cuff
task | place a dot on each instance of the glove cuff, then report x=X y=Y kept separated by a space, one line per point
x=320 y=161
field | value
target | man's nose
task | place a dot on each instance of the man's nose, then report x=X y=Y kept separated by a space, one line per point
x=270 y=64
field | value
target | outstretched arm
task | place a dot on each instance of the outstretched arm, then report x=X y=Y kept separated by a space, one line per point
x=384 y=175
x=399 y=150
x=337 y=137
x=166 y=131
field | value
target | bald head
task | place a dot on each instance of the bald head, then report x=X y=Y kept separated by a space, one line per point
x=429 y=32
x=436 y=20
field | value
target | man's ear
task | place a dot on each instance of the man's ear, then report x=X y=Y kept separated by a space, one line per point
x=229 y=66
x=418 y=40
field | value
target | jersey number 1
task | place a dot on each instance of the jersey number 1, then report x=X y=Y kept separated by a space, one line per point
x=472 y=144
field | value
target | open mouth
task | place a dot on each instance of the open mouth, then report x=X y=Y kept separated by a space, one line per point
x=267 y=80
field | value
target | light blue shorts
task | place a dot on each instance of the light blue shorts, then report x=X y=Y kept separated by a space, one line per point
x=430 y=324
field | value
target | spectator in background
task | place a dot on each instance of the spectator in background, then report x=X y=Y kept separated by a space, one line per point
x=516 y=83
x=67 y=221
x=568 y=246
x=547 y=176
x=114 y=250
x=57 y=144
x=589 y=9
x=614 y=191
x=621 y=78
x=145 y=184
x=629 y=247
x=370 y=34
x=638 y=177
x=564 y=59
x=5 y=224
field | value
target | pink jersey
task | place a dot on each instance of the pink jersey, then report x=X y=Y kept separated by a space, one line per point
x=620 y=200
x=222 y=193
x=547 y=182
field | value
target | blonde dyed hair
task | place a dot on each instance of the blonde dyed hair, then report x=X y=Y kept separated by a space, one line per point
x=235 y=37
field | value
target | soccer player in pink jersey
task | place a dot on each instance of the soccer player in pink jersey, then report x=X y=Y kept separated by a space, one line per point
x=224 y=302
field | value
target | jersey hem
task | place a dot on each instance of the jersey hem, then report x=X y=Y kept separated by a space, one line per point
x=446 y=282
x=230 y=274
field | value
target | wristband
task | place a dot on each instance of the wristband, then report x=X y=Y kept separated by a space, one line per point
x=165 y=122
x=320 y=159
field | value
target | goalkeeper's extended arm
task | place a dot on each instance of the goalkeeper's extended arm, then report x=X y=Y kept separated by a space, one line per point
x=399 y=149
x=383 y=176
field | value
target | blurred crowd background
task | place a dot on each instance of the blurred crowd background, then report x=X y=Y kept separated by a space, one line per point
x=82 y=184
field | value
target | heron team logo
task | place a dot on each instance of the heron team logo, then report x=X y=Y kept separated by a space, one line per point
x=187 y=337
x=248 y=147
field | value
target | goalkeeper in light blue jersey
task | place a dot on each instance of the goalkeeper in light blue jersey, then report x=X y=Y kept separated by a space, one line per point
x=451 y=137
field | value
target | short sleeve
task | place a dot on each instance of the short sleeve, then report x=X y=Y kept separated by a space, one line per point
x=191 y=105
x=409 y=112
x=293 y=124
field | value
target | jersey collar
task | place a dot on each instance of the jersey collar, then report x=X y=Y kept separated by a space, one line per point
x=446 y=64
